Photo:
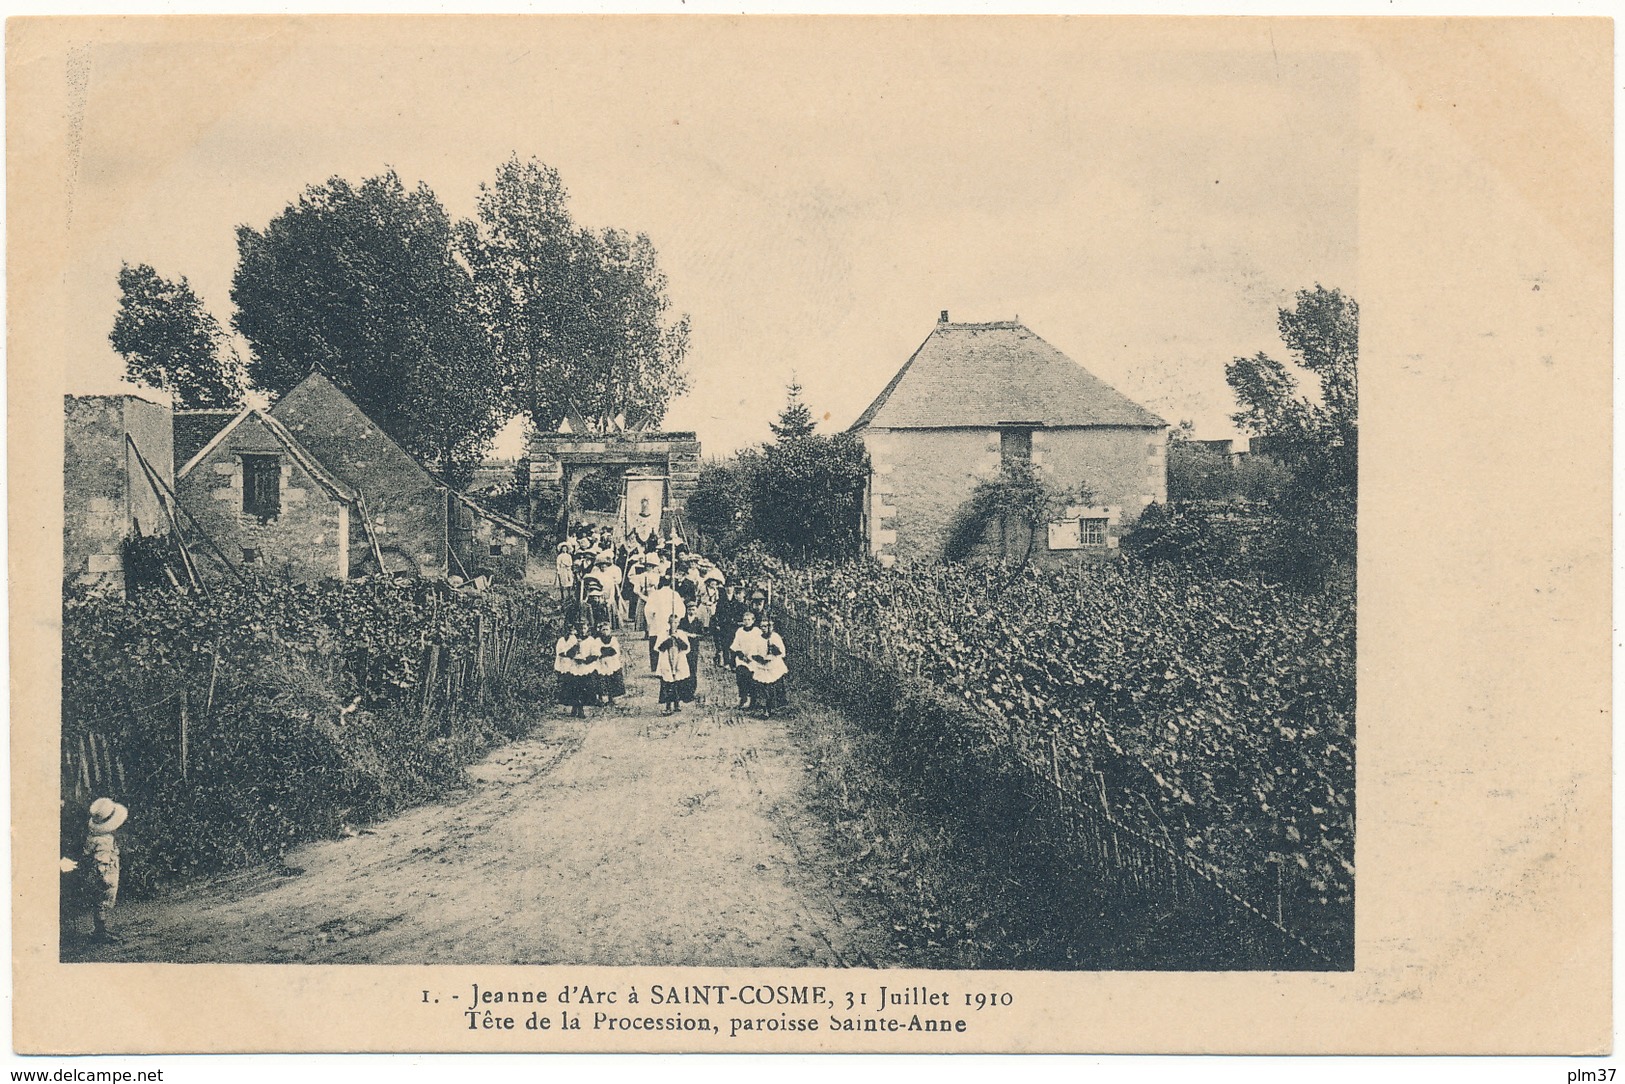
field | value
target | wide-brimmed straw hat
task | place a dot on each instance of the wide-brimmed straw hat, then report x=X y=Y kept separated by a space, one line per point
x=106 y=815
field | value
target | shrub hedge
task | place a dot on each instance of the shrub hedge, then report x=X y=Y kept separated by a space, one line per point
x=1215 y=713
x=305 y=707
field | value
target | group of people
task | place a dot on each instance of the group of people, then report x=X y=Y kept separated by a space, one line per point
x=589 y=664
x=673 y=597
x=756 y=653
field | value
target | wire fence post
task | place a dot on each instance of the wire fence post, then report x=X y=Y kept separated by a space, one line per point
x=184 y=736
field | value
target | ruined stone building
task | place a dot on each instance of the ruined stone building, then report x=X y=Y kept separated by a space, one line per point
x=267 y=502
x=107 y=494
x=310 y=488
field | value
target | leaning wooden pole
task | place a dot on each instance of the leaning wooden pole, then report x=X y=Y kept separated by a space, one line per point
x=372 y=535
x=158 y=491
x=198 y=527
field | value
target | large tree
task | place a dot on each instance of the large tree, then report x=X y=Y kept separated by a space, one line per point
x=806 y=495
x=1317 y=431
x=1314 y=433
x=719 y=507
x=368 y=283
x=171 y=341
x=580 y=319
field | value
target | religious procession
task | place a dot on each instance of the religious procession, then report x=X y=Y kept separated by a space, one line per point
x=647 y=585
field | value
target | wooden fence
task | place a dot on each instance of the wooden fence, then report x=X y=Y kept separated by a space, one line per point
x=1131 y=850
x=457 y=682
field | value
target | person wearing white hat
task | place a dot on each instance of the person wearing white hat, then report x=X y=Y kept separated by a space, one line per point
x=564 y=568
x=101 y=863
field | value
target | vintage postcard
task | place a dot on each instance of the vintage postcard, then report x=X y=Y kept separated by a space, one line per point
x=810 y=534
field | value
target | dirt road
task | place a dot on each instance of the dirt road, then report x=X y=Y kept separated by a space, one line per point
x=626 y=838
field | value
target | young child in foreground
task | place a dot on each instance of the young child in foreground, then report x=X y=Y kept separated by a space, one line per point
x=101 y=867
x=671 y=666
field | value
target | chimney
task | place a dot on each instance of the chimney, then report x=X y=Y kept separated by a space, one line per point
x=943 y=319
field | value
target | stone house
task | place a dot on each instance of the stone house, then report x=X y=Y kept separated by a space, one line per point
x=404 y=505
x=486 y=542
x=107 y=496
x=975 y=396
x=267 y=503
x=313 y=487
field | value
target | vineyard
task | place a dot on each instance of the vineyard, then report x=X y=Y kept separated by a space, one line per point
x=1190 y=729
x=239 y=723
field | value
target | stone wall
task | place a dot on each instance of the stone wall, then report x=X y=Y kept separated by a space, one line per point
x=487 y=545
x=920 y=478
x=406 y=503
x=106 y=497
x=556 y=457
x=307 y=540
x=1125 y=468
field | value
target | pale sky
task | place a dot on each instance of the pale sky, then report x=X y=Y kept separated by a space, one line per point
x=817 y=189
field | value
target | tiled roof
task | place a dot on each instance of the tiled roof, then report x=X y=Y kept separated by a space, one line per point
x=195 y=428
x=985 y=375
x=300 y=454
x=313 y=466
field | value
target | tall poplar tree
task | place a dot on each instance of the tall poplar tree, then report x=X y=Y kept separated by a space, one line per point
x=580 y=319
x=368 y=282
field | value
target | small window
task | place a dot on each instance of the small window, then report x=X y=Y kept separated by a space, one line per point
x=1015 y=444
x=262 y=485
x=496 y=549
x=250 y=556
x=1092 y=532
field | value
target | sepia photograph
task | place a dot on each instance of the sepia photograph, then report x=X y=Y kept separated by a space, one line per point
x=733 y=501
x=602 y=509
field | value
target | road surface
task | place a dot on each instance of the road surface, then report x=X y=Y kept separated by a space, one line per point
x=626 y=838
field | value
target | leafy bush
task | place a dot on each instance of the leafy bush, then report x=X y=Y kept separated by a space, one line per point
x=1197 y=473
x=305 y=706
x=1223 y=538
x=720 y=506
x=1019 y=495
x=1306 y=548
x=1259 y=479
x=1215 y=713
x=806 y=495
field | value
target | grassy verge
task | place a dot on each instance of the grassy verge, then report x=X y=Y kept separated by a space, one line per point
x=971 y=872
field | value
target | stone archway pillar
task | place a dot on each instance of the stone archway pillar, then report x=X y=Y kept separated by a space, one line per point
x=553 y=456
